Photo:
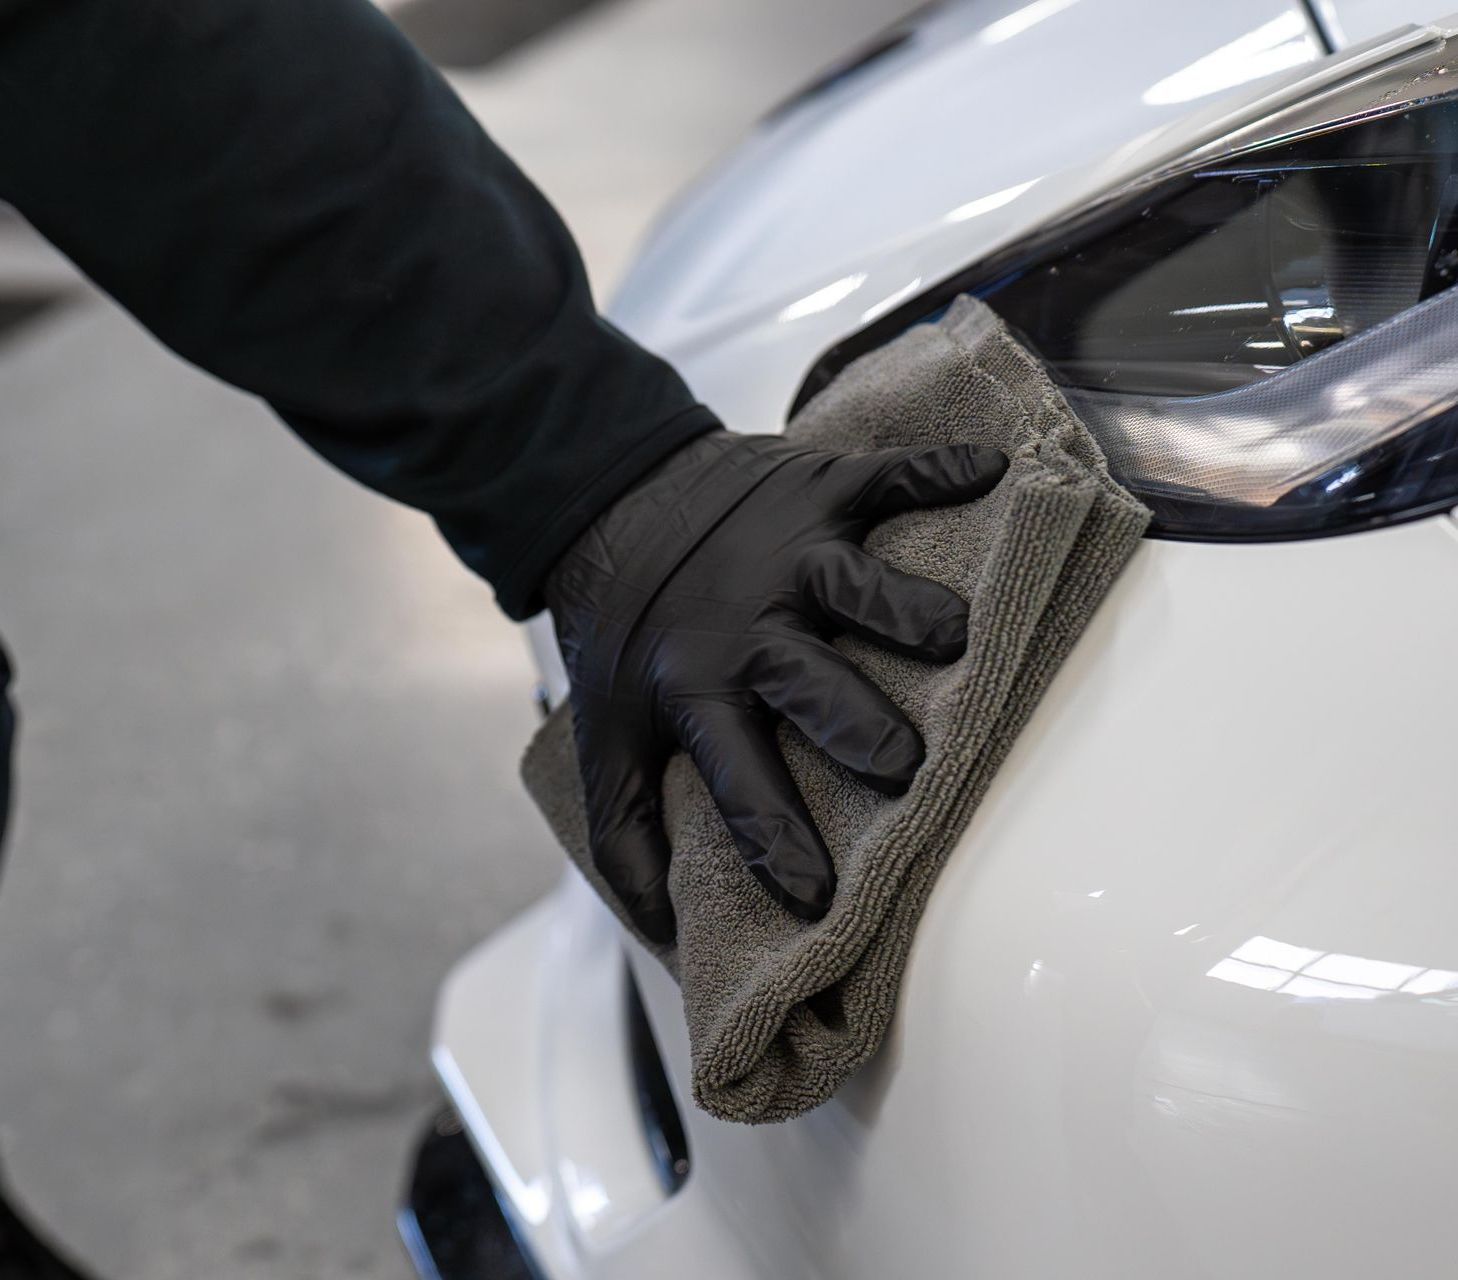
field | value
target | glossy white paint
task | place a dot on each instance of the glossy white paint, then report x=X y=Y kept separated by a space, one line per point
x=1349 y=22
x=1185 y=1002
x=531 y=1047
x=1111 y=1058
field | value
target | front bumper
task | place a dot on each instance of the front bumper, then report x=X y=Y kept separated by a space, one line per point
x=579 y=1121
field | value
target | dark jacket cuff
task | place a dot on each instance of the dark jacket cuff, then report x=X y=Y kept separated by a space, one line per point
x=519 y=586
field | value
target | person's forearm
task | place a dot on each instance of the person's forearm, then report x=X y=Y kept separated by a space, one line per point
x=289 y=196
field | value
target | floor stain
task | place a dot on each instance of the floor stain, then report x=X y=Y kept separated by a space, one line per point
x=292 y=1007
x=258 y=1249
x=298 y=1108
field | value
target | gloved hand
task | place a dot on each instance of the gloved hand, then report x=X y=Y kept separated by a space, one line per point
x=698 y=609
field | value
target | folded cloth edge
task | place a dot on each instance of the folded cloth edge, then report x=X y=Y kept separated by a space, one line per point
x=775 y=1056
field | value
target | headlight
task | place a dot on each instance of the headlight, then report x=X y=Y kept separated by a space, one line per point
x=1263 y=334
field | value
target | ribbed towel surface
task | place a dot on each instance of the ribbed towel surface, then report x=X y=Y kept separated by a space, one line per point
x=780 y=1012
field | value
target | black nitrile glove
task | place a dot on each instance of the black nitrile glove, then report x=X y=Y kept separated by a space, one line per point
x=697 y=610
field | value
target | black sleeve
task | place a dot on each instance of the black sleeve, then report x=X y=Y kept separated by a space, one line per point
x=288 y=195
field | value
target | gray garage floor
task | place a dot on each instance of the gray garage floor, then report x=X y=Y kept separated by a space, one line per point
x=267 y=773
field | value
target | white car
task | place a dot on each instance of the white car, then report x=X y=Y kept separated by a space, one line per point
x=1185 y=1001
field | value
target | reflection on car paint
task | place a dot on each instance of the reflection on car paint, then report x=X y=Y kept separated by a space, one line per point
x=1266 y=964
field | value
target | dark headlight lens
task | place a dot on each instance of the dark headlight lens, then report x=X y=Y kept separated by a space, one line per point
x=1233 y=273
x=1306 y=449
x=1266 y=346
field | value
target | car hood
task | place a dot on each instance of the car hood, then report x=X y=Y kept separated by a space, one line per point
x=962 y=130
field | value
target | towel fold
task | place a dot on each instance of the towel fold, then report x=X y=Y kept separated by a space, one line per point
x=781 y=1012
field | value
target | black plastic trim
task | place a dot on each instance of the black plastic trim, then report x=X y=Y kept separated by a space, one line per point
x=24 y=1254
x=454 y=1224
x=662 y=1120
x=1438 y=507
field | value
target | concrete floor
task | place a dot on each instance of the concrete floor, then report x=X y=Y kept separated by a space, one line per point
x=267 y=772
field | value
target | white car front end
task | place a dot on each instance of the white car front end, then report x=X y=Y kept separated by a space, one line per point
x=1185 y=1001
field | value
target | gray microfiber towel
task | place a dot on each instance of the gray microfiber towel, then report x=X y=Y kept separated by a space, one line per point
x=781 y=1012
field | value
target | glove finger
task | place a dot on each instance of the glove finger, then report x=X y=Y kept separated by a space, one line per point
x=817 y=689
x=856 y=592
x=736 y=753
x=889 y=481
x=620 y=777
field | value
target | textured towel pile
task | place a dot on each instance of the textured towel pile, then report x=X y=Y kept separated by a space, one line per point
x=781 y=1012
